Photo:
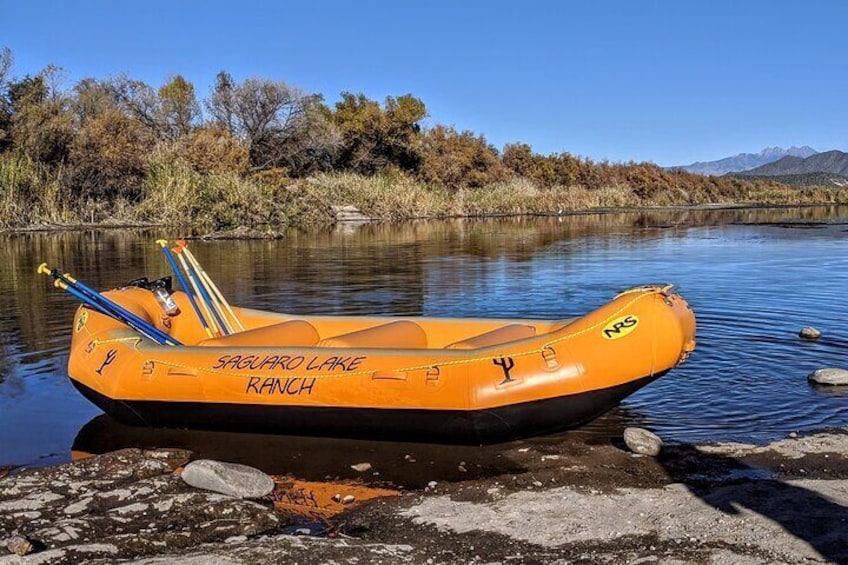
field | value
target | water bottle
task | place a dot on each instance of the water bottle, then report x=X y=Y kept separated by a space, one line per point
x=166 y=301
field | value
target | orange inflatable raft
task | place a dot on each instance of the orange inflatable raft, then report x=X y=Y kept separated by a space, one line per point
x=421 y=379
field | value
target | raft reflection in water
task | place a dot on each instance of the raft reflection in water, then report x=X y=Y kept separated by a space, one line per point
x=397 y=464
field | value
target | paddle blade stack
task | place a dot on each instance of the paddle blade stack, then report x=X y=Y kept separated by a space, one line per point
x=211 y=308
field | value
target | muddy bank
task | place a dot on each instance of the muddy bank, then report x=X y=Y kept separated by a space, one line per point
x=347 y=217
x=556 y=501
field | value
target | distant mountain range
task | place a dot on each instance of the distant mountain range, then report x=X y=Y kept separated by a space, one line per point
x=746 y=161
x=828 y=162
x=804 y=179
x=822 y=169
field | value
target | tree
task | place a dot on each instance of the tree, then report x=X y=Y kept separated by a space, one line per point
x=210 y=149
x=178 y=108
x=374 y=137
x=139 y=101
x=458 y=160
x=6 y=61
x=268 y=115
x=168 y=113
x=41 y=126
x=313 y=142
x=221 y=104
x=546 y=170
x=108 y=156
x=519 y=158
x=92 y=98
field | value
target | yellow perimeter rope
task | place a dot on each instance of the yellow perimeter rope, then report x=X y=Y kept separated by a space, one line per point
x=644 y=292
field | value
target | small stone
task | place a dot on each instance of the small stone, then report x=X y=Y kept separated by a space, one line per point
x=809 y=333
x=232 y=479
x=537 y=483
x=432 y=484
x=462 y=468
x=793 y=435
x=361 y=467
x=348 y=499
x=337 y=498
x=642 y=441
x=829 y=376
x=303 y=532
x=19 y=545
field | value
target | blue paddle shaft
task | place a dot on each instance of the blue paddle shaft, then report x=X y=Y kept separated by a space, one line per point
x=207 y=299
x=118 y=312
x=143 y=328
x=184 y=284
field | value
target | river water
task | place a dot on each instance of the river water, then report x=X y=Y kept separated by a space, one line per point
x=753 y=277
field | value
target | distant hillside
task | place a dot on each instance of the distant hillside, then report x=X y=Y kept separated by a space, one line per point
x=745 y=161
x=802 y=179
x=835 y=162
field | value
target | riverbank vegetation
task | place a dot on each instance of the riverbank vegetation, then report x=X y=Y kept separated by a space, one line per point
x=262 y=153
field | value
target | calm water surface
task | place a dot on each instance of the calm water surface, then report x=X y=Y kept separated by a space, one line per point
x=754 y=277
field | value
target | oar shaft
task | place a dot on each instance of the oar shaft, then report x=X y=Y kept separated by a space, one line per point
x=107 y=303
x=185 y=286
x=216 y=301
x=81 y=297
x=107 y=307
x=207 y=297
x=215 y=290
x=110 y=305
x=85 y=299
x=203 y=304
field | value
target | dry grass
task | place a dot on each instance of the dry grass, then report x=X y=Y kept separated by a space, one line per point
x=175 y=193
x=31 y=193
x=390 y=196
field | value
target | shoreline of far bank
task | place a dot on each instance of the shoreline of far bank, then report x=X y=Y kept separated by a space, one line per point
x=349 y=217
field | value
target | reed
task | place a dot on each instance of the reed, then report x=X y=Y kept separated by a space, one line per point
x=175 y=194
x=390 y=196
x=170 y=194
x=32 y=193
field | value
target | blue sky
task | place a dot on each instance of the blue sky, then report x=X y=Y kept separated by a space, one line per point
x=670 y=82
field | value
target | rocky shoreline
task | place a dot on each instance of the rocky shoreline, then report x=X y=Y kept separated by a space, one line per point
x=562 y=501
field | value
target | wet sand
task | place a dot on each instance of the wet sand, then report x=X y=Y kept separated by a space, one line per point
x=559 y=499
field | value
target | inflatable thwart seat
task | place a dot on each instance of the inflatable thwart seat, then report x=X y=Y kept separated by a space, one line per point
x=401 y=334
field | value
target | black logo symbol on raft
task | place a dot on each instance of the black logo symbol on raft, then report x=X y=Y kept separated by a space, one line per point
x=110 y=357
x=619 y=326
x=505 y=363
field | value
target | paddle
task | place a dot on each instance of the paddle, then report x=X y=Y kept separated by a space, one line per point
x=207 y=312
x=216 y=292
x=185 y=286
x=103 y=305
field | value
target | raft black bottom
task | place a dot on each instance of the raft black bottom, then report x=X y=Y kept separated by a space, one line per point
x=484 y=426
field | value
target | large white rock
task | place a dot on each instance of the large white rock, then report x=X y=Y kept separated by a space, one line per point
x=642 y=441
x=829 y=376
x=231 y=479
